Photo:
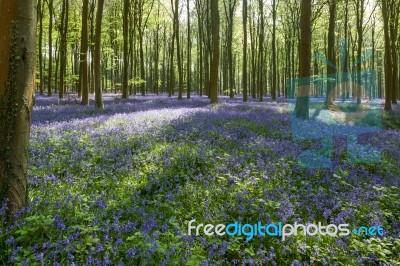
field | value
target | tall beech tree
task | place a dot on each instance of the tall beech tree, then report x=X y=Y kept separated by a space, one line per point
x=394 y=35
x=261 y=38
x=189 y=53
x=97 y=55
x=63 y=46
x=302 y=108
x=331 y=66
x=40 y=15
x=175 y=12
x=83 y=75
x=345 y=53
x=229 y=8
x=156 y=55
x=214 y=66
x=125 y=25
x=388 y=57
x=142 y=15
x=244 y=71
x=50 y=5
x=360 y=9
x=17 y=83
x=274 y=59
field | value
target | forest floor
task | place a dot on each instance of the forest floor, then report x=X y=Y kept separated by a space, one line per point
x=119 y=186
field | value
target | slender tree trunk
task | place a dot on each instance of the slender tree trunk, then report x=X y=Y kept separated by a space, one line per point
x=293 y=68
x=63 y=47
x=245 y=97
x=372 y=79
x=388 y=57
x=92 y=19
x=75 y=67
x=17 y=85
x=215 y=51
x=97 y=55
x=360 y=22
x=178 y=49
x=208 y=50
x=142 y=64
x=393 y=26
x=229 y=8
x=84 y=85
x=171 y=68
x=303 y=91
x=189 y=53
x=200 y=49
x=126 y=50
x=260 y=83
x=274 y=70
x=156 y=83
x=230 y=53
x=164 y=59
x=132 y=39
x=345 y=56
x=40 y=55
x=50 y=70
x=331 y=67
x=253 y=49
x=57 y=59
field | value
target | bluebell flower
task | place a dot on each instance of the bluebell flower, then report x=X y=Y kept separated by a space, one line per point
x=10 y=241
x=131 y=253
x=59 y=223
x=296 y=263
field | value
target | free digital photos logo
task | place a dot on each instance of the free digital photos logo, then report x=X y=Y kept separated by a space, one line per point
x=280 y=230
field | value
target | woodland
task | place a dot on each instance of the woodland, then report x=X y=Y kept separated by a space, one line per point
x=123 y=120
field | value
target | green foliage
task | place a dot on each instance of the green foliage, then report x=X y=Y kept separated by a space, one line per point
x=137 y=81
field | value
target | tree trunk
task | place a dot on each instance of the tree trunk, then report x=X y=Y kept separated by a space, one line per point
x=40 y=55
x=200 y=47
x=171 y=68
x=372 y=79
x=178 y=49
x=207 y=49
x=57 y=59
x=261 y=51
x=17 y=84
x=50 y=70
x=331 y=66
x=215 y=51
x=303 y=91
x=164 y=58
x=360 y=22
x=245 y=98
x=229 y=8
x=345 y=57
x=142 y=66
x=126 y=50
x=63 y=47
x=92 y=18
x=97 y=55
x=394 y=25
x=189 y=53
x=253 y=49
x=274 y=70
x=83 y=58
x=388 y=57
